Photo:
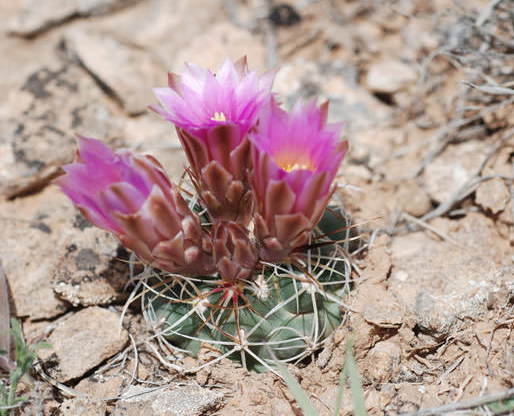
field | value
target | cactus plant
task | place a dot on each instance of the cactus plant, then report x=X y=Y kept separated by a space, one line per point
x=251 y=259
x=286 y=308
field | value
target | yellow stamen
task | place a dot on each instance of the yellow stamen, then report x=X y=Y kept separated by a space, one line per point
x=289 y=167
x=219 y=116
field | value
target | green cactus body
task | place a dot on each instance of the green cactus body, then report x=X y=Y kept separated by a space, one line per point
x=281 y=311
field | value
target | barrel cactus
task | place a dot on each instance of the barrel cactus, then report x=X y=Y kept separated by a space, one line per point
x=250 y=259
x=283 y=312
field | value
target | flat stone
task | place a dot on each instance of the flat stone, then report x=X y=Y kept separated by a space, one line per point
x=38 y=122
x=82 y=406
x=349 y=103
x=492 y=195
x=126 y=72
x=82 y=342
x=224 y=40
x=153 y=25
x=413 y=199
x=186 y=400
x=441 y=284
x=388 y=77
x=100 y=386
x=382 y=363
x=36 y=16
x=50 y=246
x=453 y=168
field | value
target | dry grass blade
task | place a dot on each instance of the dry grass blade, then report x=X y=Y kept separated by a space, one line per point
x=465 y=404
x=423 y=224
x=491 y=89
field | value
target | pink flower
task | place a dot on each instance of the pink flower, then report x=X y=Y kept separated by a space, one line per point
x=131 y=196
x=296 y=157
x=213 y=114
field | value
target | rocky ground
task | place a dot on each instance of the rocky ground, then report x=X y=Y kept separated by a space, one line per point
x=425 y=88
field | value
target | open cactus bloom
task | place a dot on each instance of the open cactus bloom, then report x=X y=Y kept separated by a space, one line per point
x=295 y=158
x=213 y=114
x=131 y=196
x=256 y=257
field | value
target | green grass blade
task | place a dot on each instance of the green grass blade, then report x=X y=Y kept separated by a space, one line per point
x=5 y=336
x=503 y=406
x=299 y=394
x=359 y=405
x=340 y=390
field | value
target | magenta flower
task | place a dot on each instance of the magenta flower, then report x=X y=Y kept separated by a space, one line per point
x=213 y=114
x=131 y=196
x=296 y=157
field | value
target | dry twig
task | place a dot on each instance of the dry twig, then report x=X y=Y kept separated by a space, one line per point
x=465 y=404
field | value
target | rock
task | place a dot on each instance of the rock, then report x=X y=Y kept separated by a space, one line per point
x=389 y=77
x=172 y=401
x=82 y=342
x=88 y=273
x=224 y=40
x=378 y=261
x=38 y=122
x=440 y=284
x=100 y=386
x=453 y=168
x=492 y=195
x=383 y=362
x=150 y=134
x=82 y=406
x=349 y=103
x=500 y=118
x=50 y=245
x=153 y=25
x=36 y=16
x=378 y=306
x=125 y=72
x=413 y=199
x=353 y=105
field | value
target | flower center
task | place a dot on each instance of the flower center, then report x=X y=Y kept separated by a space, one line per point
x=289 y=167
x=219 y=116
x=291 y=161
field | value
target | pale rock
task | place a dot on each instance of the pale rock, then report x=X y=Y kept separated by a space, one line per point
x=124 y=71
x=185 y=400
x=382 y=362
x=378 y=261
x=82 y=342
x=82 y=406
x=378 y=306
x=151 y=134
x=36 y=16
x=442 y=284
x=413 y=199
x=224 y=40
x=373 y=145
x=50 y=246
x=349 y=103
x=153 y=25
x=492 y=195
x=100 y=386
x=389 y=77
x=453 y=168
x=500 y=118
x=38 y=122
